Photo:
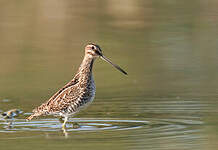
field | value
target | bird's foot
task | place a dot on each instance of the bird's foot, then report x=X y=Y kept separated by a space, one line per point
x=76 y=125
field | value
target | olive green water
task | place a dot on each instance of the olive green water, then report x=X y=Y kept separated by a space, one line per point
x=169 y=48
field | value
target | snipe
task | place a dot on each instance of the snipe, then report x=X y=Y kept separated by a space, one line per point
x=78 y=93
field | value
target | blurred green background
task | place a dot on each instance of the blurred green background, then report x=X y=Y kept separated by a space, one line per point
x=169 y=49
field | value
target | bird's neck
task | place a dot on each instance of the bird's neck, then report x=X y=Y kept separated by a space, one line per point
x=85 y=69
x=87 y=64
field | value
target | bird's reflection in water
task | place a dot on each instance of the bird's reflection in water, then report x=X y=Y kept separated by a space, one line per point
x=65 y=132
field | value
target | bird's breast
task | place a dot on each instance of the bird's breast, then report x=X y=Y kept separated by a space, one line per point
x=84 y=99
x=89 y=93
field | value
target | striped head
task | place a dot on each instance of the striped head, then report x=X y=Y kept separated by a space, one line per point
x=94 y=51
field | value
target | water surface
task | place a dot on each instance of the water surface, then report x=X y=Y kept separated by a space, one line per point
x=168 y=101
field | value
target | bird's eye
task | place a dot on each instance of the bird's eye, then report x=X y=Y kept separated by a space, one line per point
x=93 y=47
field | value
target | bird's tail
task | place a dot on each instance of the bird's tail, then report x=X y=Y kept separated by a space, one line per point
x=41 y=110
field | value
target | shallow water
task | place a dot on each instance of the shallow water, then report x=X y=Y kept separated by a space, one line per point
x=168 y=100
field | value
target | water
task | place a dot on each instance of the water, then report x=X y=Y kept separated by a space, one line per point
x=168 y=101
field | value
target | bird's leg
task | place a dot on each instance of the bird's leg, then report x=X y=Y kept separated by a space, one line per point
x=65 y=121
x=64 y=125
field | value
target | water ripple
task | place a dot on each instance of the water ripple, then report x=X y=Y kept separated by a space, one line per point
x=84 y=125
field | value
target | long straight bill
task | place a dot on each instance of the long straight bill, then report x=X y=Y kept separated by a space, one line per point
x=116 y=66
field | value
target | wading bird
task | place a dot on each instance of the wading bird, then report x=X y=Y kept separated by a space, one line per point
x=76 y=94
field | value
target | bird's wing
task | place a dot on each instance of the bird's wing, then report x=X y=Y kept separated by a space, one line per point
x=64 y=99
x=53 y=103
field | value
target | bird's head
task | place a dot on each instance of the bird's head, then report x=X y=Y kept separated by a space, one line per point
x=94 y=50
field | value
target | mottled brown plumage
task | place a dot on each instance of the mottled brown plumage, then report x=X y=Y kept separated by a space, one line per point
x=76 y=94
